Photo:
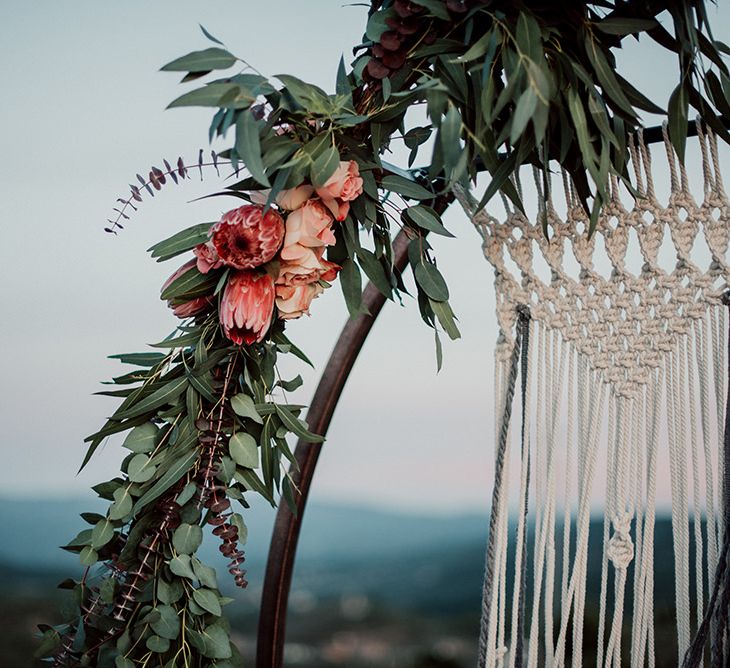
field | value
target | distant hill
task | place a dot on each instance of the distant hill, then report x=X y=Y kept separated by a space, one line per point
x=406 y=580
x=31 y=530
x=401 y=558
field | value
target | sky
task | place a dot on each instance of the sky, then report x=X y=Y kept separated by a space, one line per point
x=84 y=110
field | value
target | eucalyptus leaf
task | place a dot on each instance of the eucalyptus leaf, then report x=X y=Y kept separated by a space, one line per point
x=678 y=117
x=244 y=406
x=212 y=642
x=619 y=25
x=297 y=426
x=429 y=278
x=172 y=474
x=236 y=519
x=180 y=242
x=244 y=450
x=351 y=284
x=405 y=187
x=158 y=644
x=142 y=438
x=206 y=60
x=248 y=146
x=88 y=556
x=426 y=218
x=140 y=468
x=445 y=316
x=181 y=567
x=524 y=111
x=187 y=538
x=166 y=394
x=208 y=96
x=168 y=624
x=208 y=600
x=324 y=166
x=374 y=271
x=102 y=533
x=205 y=574
x=291 y=385
x=139 y=359
x=122 y=505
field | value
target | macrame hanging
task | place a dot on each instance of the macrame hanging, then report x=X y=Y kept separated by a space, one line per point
x=616 y=373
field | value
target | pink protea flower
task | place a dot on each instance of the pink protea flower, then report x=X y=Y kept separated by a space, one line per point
x=245 y=238
x=207 y=257
x=185 y=309
x=247 y=306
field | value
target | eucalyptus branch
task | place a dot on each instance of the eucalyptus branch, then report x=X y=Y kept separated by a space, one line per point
x=158 y=178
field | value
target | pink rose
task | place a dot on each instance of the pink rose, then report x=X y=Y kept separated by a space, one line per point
x=293 y=301
x=207 y=257
x=185 y=309
x=308 y=229
x=293 y=198
x=342 y=187
x=247 y=306
x=245 y=238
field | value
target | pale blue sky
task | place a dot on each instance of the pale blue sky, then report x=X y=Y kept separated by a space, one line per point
x=83 y=112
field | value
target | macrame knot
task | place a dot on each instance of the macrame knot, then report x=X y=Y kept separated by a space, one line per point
x=620 y=548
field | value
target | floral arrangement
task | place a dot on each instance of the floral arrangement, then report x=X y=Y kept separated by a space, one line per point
x=205 y=413
x=269 y=261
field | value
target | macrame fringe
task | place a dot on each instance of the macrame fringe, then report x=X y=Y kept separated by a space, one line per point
x=623 y=382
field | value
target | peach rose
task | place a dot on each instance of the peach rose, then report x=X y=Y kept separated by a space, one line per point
x=293 y=198
x=293 y=301
x=310 y=226
x=342 y=187
x=207 y=257
x=292 y=273
x=247 y=306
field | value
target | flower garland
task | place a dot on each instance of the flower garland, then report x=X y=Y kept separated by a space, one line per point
x=204 y=421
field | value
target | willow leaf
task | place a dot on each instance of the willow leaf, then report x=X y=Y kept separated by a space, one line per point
x=297 y=426
x=248 y=146
x=172 y=474
x=206 y=60
x=165 y=395
x=180 y=242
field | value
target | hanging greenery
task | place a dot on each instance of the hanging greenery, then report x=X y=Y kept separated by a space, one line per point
x=205 y=413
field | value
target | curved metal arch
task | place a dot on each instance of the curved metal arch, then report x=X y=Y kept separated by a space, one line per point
x=282 y=551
